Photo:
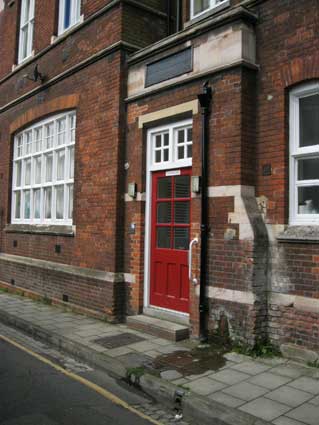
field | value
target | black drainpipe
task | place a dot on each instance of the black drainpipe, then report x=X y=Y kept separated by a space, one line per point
x=168 y=16
x=204 y=99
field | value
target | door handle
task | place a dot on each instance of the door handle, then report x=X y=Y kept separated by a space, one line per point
x=190 y=260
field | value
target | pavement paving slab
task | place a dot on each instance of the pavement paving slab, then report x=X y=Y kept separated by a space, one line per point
x=230 y=376
x=245 y=391
x=306 y=384
x=251 y=367
x=226 y=399
x=269 y=380
x=289 y=371
x=205 y=386
x=265 y=409
x=307 y=413
x=290 y=396
x=283 y=420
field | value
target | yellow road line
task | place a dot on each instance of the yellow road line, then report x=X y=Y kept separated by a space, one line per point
x=104 y=393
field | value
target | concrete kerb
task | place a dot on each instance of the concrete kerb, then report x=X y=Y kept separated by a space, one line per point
x=197 y=407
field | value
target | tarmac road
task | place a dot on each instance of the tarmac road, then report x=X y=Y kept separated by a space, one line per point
x=36 y=390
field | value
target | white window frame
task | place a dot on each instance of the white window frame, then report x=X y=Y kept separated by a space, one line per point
x=173 y=161
x=212 y=5
x=75 y=15
x=298 y=153
x=26 y=30
x=22 y=154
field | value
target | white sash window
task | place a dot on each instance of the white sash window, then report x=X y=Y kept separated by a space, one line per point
x=26 y=30
x=304 y=155
x=201 y=6
x=69 y=14
x=43 y=172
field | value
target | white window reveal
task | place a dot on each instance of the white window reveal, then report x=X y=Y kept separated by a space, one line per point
x=69 y=14
x=43 y=172
x=201 y=6
x=171 y=146
x=26 y=30
x=304 y=155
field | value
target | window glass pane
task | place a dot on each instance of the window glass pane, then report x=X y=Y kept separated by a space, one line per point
x=181 y=238
x=72 y=127
x=166 y=139
x=164 y=187
x=38 y=139
x=72 y=121
x=71 y=164
x=308 y=200
x=180 y=152
x=158 y=141
x=60 y=160
x=49 y=135
x=37 y=170
x=18 y=173
x=27 y=211
x=48 y=167
x=28 y=141
x=67 y=13
x=189 y=151
x=27 y=164
x=189 y=134
x=158 y=156
x=61 y=131
x=17 y=204
x=308 y=169
x=181 y=212
x=180 y=136
x=24 y=11
x=166 y=155
x=182 y=187
x=70 y=202
x=19 y=146
x=36 y=203
x=309 y=120
x=24 y=42
x=200 y=5
x=48 y=203
x=164 y=210
x=59 y=202
x=163 y=237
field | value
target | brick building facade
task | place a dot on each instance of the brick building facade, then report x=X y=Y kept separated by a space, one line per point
x=101 y=140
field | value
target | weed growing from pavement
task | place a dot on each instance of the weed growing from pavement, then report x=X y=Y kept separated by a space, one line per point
x=46 y=300
x=314 y=363
x=262 y=349
x=4 y=290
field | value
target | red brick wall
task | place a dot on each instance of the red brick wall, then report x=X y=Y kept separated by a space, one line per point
x=8 y=38
x=287 y=40
x=96 y=175
x=107 y=298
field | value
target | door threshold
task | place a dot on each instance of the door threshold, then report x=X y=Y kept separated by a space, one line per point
x=169 y=315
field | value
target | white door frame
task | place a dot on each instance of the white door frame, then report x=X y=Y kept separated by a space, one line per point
x=172 y=163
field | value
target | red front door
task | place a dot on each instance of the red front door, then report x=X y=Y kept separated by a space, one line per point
x=170 y=233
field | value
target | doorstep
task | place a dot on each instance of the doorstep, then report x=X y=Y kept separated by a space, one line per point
x=158 y=327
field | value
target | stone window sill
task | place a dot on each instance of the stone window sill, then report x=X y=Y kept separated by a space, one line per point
x=41 y=230
x=301 y=234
